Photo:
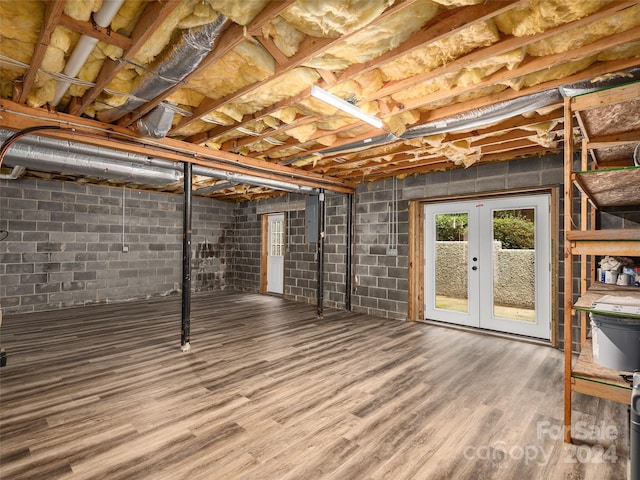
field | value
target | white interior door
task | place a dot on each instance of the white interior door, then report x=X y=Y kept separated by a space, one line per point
x=275 y=254
x=488 y=264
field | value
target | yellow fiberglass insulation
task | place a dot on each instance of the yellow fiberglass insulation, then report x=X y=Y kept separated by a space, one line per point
x=286 y=115
x=547 y=140
x=303 y=133
x=332 y=18
x=460 y=152
x=21 y=22
x=19 y=30
x=128 y=15
x=284 y=86
x=186 y=97
x=540 y=15
x=249 y=62
x=479 y=71
x=284 y=35
x=447 y=101
x=377 y=38
x=553 y=73
x=195 y=127
x=397 y=124
x=586 y=34
x=82 y=10
x=60 y=47
x=627 y=50
x=458 y=3
x=444 y=82
x=241 y=12
x=369 y=83
x=442 y=51
x=189 y=11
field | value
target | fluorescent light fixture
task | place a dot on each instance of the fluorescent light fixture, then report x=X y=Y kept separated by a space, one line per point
x=345 y=106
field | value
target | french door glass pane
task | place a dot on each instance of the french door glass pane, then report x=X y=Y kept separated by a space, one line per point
x=451 y=262
x=514 y=275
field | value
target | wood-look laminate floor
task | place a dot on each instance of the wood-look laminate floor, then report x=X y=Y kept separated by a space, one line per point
x=271 y=392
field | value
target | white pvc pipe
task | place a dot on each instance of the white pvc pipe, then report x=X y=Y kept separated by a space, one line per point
x=85 y=46
x=16 y=173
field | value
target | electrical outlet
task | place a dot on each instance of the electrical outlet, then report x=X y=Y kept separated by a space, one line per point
x=392 y=252
x=125 y=248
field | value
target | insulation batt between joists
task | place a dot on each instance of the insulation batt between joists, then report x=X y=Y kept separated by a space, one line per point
x=251 y=63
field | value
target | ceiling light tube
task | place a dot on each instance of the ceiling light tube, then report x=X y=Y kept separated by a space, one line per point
x=345 y=106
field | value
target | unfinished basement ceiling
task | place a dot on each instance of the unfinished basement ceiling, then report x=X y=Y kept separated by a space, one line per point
x=227 y=84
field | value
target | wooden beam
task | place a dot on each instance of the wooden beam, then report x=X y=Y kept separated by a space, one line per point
x=52 y=14
x=614 y=140
x=96 y=31
x=17 y=117
x=272 y=48
x=607 y=97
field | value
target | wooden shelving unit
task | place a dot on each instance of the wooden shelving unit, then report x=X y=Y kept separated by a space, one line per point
x=597 y=187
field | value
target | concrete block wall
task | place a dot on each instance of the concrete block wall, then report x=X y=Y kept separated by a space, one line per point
x=335 y=250
x=246 y=254
x=300 y=268
x=212 y=244
x=381 y=279
x=65 y=244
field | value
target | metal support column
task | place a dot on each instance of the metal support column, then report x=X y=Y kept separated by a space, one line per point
x=185 y=332
x=321 y=234
x=634 y=434
x=349 y=273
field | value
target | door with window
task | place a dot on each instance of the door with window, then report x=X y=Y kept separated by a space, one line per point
x=488 y=264
x=275 y=253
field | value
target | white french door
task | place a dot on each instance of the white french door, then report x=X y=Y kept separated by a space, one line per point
x=488 y=264
x=275 y=254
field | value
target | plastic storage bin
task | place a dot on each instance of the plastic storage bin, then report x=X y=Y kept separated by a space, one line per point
x=616 y=342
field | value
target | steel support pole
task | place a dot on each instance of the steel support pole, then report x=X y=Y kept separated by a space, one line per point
x=321 y=227
x=349 y=270
x=185 y=333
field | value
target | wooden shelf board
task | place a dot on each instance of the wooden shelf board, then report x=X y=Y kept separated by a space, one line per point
x=611 y=235
x=611 y=188
x=592 y=379
x=599 y=290
x=606 y=247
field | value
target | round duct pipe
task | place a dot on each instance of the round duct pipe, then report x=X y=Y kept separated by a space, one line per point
x=62 y=156
x=33 y=157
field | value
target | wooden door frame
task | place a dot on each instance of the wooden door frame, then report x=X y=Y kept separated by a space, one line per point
x=415 y=308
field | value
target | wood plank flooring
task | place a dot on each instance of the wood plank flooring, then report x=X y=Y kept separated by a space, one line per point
x=269 y=391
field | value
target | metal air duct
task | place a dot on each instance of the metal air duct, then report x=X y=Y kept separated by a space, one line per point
x=172 y=66
x=600 y=83
x=55 y=155
x=38 y=158
x=485 y=115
